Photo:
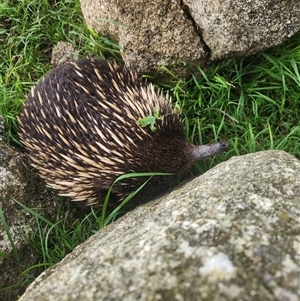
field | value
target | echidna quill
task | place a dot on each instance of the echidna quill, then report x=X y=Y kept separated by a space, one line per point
x=80 y=126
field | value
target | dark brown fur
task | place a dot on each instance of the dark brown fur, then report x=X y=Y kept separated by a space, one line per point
x=79 y=126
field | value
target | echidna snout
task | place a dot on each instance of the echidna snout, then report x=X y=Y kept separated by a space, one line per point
x=80 y=127
x=200 y=152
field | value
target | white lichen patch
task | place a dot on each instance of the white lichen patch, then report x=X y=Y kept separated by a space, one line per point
x=262 y=203
x=232 y=291
x=11 y=186
x=289 y=265
x=7 y=178
x=17 y=233
x=282 y=294
x=218 y=267
x=208 y=226
x=296 y=244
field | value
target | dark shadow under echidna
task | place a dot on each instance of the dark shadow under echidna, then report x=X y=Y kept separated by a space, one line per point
x=80 y=128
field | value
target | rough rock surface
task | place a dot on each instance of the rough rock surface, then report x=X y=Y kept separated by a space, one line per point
x=230 y=234
x=18 y=182
x=2 y=128
x=239 y=28
x=151 y=32
x=172 y=32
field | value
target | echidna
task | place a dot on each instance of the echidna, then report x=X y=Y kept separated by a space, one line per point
x=80 y=126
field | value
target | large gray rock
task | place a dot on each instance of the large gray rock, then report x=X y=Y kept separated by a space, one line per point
x=151 y=32
x=196 y=32
x=231 y=234
x=238 y=28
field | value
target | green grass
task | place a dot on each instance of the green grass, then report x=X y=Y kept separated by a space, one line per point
x=251 y=102
x=28 y=32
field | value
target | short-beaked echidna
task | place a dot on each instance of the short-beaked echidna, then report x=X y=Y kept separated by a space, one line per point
x=80 y=126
